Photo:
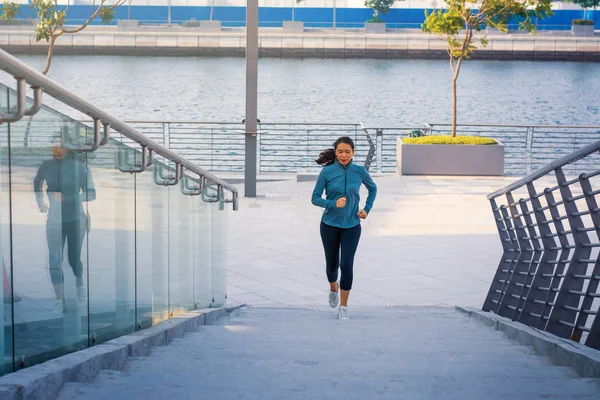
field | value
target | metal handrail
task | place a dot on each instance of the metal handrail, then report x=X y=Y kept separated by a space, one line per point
x=528 y=155
x=20 y=70
x=539 y=282
x=142 y=121
x=362 y=126
x=568 y=159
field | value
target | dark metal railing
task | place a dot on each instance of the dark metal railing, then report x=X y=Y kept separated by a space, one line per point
x=549 y=273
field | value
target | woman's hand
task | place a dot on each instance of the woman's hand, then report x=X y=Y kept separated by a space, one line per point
x=362 y=214
x=341 y=202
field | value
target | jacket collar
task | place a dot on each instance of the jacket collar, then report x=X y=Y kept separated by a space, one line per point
x=341 y=166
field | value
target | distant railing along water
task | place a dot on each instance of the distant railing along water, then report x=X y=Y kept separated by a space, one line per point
x=293 y=146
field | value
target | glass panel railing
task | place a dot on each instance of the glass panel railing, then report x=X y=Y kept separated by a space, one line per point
x=203 y=213
x=49 y=254
x=152 y=249
x=181 y=246
x=90 y=249
x=219 y=254
x=6 y=348
x=111 y=241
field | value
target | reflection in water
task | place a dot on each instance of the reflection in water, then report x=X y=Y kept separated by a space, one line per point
x=68 y=185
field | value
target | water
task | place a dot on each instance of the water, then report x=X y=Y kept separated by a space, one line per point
x=376 y=92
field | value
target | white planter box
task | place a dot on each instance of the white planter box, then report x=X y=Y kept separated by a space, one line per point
x=210 y=25
x=582 y=30
x=375 y=27
x=493 y=31
x=449 y=159
x=296 y=26
x=128 y=24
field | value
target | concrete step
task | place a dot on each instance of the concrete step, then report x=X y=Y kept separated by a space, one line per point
x=292 y=353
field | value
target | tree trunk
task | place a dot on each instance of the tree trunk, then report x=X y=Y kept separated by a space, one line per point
x=454 y=78
x=212 y=6
x=293 y=8
x=49 y=57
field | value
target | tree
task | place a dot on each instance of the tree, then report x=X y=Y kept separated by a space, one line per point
x=458 y=24
x=585 y=4
x=51 y=19
x=380 y=7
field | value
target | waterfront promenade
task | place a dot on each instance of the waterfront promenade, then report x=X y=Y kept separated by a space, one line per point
x=429 y=241
x=277 y=42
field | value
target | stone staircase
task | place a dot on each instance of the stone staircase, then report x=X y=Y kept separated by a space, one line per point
x=305 y=353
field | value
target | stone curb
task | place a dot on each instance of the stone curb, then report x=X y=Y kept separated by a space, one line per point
x=582 y=359
x=44 y=381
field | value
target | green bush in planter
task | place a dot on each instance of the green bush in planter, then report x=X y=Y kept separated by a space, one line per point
x=583 y=22
x=475 y=140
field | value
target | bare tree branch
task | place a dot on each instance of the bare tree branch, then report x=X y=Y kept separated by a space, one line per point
x=93 y=16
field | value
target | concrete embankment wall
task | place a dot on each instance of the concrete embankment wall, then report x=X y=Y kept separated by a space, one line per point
x=177 y=41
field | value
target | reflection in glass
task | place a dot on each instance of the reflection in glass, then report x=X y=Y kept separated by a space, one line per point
x=68 y=186
x=90 y=251
x=112 y=243
x=50 y=187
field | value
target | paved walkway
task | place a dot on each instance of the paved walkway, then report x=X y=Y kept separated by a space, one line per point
x=428 y=241
x=294 y=353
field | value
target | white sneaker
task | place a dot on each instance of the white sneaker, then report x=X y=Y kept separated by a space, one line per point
x=59 y=307
x=343 y=313
x=81 y=293
x=334 y=297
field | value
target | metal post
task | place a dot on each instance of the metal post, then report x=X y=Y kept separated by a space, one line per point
x=334 y=14
x=167 y=135
x=251 y=96
x=169 y=16
x=529 y=149
x=379 y=151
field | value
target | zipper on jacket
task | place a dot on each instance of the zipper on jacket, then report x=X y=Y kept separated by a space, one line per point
x=346 y=182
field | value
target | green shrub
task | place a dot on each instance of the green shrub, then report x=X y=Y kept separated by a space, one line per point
x=450 y=140
x=583 y=22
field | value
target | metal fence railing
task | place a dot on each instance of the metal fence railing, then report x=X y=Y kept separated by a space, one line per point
x=293 y=146
x=549 y=223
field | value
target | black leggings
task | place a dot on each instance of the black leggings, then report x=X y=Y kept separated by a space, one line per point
x=334 y=239
x=57 y=233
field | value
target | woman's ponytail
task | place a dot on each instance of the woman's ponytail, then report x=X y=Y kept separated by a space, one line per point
x=326 y=157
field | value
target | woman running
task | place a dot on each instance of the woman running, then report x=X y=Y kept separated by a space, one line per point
x=340 y=225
